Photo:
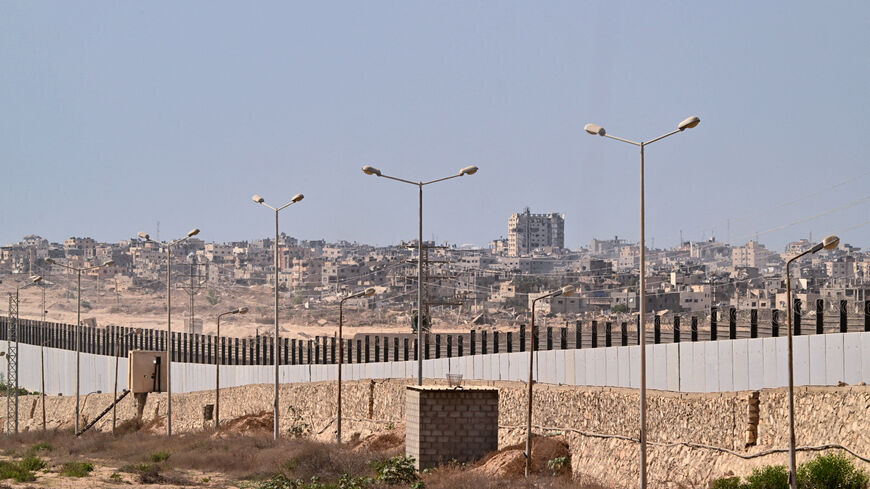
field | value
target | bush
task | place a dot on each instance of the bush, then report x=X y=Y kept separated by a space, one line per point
x=12 y=470
x=770 y=477
x=831 y=471
x=41 y=447
x=160 y=456
x=76 y=469
x=396 y=470
x=32 y=463
x=728 y=483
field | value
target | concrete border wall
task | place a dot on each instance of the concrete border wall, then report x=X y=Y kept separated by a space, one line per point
x=722 y=366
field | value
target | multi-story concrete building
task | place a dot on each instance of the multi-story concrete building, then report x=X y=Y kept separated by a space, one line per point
x=752 y=255
x=527 y=231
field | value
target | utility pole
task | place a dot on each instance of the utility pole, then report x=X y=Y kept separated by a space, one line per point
x=192 y=288
x=427 y=277
x=12 y=366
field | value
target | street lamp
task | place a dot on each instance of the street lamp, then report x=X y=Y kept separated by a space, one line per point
x=468 y=170
x=596 y=129
x=566 y=291
x=38 y=279
x=367 y=293
x=193 y=232
x=78 y=271
x=259 y=200
x=828 y=243
x=117 y=354
x=217 y=374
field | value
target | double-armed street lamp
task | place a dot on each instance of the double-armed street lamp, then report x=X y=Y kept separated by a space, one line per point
x=566 y=291
x=364 y=293
x=468 y=170
x=78 y=271
x=598 y=130
x=217 y=375
x=168 y=245
x=828 y=243
x=259 y=200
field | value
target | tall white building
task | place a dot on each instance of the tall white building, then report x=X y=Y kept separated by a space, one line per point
x=528 y=231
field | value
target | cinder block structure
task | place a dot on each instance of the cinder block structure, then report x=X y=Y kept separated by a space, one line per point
x=447 y=423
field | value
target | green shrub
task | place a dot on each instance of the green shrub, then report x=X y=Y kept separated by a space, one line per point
x=41 y=447
x=396 y=470
x=769 y=477
x=12 y=470
x=161 y=456
x=348 y=481
x=32 y=463
x=728 y=483
x=559 y=465
x=76 y=469
x=831 y=471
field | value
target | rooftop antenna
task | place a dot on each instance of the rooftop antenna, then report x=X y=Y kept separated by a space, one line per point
x=157 y=234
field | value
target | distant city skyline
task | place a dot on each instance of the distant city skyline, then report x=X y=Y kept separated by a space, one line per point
x=116 y=116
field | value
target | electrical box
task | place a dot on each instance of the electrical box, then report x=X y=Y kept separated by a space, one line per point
x=147 y=371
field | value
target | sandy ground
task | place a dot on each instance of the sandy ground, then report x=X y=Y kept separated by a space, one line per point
x=138 y=309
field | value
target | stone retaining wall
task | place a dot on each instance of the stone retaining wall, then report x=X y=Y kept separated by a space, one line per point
x=746 y=422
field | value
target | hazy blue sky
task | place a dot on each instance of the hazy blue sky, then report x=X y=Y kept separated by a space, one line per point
x=116 y=115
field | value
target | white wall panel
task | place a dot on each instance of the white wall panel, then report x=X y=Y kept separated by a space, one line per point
x=834 y=358
x=623 y=359
x=755 y=353
x=673 y=362
x=659 y=374
x=726 y=366
x=634 y=366
x=852 y=358
x=768 y=346
x=817 y=360
x=611 y=362
x=711 y=366
x=580 y=367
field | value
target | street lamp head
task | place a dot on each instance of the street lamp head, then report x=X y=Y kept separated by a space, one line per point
x=831 y=242
x=109 y=263
x=689 y=123
x=258 y=198
x=35 y=278
x=595 y=129
x=144 y=235
x=370 y=292
x=468 y=170
x=50 y=261
x=370 y=170
x=241 y=310
x=297 y=198
x=568 y=290
x=193 y=232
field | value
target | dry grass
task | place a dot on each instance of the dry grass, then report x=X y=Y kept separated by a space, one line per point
x=233 y=455
x=236 y=456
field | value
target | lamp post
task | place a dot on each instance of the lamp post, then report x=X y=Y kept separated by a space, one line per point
x=565 y=291
x=468 y=170
x=78 y=322
x=596 y=129
x=259 y=200
x=217 y=373
x=367 y=293
x=828 y=243
x=193 y=232
x=117 y=354
x=38 y=279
